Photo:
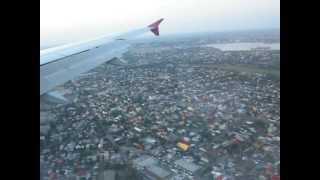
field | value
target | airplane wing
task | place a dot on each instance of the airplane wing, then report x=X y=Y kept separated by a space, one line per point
x=63 y=63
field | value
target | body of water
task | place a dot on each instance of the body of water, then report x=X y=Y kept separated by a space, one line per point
x=244 y=46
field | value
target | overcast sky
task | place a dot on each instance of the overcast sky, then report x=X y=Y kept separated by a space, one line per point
x=70 y=20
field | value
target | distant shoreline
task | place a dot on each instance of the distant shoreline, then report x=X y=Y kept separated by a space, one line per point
x=244 y=46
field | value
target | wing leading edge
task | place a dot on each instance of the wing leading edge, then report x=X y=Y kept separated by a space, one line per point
x=63 y=63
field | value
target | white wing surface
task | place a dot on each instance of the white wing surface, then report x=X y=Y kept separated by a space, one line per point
x=63 y=63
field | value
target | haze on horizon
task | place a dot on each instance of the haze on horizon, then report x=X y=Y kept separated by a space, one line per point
x=63 y=21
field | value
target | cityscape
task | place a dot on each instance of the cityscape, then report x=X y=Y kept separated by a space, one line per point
x=175 y=108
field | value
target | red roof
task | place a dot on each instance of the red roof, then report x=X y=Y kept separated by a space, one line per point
x=275 y=177
x=53 y=176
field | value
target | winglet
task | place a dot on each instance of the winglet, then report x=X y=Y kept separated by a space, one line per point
x=154 y=27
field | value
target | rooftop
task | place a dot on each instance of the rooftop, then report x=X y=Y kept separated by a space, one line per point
x=188 y=165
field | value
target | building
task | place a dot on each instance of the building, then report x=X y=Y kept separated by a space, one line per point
x=188 y=165
x=107 y=175
x=150 y=169
x=144 y=161
x=156 y=172
x=183 y=146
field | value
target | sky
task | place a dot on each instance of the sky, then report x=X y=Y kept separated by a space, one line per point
x=63 y=21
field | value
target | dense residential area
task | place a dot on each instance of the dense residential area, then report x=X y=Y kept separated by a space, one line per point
x=172 y=109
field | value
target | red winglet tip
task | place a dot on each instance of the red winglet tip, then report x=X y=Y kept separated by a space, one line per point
x=155 y=24
x=154 y=27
